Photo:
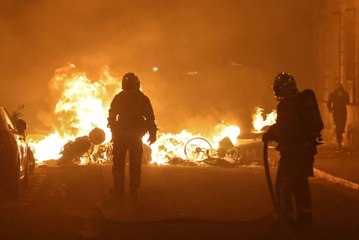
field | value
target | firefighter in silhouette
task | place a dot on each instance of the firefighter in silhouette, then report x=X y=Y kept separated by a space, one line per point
x=337 y=104
x=130 y=117
x=297 y=132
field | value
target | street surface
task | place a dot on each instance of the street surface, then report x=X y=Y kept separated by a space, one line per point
x=174 y=202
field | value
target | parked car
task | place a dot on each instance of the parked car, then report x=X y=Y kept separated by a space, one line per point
x=15 y=156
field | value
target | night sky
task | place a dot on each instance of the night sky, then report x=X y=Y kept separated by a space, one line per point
x=216 y=59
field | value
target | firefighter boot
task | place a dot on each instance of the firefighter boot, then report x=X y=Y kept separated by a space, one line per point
x=304 y=217
x=118 y=187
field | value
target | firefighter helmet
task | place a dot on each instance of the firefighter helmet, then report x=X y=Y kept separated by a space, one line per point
x=284 y=85
x=130 y=82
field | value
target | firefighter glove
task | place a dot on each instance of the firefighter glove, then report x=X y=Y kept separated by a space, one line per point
x=271 y=134
x=152 y=138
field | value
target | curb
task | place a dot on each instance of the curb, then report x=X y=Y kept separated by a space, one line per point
x=340 y=181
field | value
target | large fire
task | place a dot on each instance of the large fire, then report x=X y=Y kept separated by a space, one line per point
x=83 y=105
x=171 y=145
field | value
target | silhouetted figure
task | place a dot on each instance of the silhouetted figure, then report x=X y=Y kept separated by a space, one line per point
x=337 y=105
x=130 y=117
x=297 y=131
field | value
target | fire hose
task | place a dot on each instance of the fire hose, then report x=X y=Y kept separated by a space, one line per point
x=268 y=177
x=273 y=196
x=276 y=208
x=252 y=221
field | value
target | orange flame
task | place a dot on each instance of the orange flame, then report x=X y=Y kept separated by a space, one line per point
x=83 y=105
x=172 y=145
x=259 y=122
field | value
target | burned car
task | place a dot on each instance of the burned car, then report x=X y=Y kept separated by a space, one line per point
x=16 y=159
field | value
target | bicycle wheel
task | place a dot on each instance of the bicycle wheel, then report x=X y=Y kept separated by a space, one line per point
x=198 y=149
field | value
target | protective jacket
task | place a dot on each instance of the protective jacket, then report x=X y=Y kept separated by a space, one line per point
x=131 y=113
x=297 y=129
x=299 y=121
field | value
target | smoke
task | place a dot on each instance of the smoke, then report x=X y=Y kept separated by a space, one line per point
x=216 y=59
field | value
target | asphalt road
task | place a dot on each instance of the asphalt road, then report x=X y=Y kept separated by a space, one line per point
x=173 y=203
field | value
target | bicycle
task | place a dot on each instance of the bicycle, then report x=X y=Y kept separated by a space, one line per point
x=199 y=149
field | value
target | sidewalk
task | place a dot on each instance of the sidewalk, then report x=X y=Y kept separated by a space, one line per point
x=342 y=166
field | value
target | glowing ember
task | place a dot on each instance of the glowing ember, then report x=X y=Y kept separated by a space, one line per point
x=259 y=122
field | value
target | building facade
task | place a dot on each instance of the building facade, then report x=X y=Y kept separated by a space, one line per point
x=335 y=60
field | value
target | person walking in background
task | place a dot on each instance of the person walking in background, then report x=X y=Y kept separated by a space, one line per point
x=130 y=117
x=337 y=105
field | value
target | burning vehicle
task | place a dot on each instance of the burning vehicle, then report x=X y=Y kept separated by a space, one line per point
x=16 y=158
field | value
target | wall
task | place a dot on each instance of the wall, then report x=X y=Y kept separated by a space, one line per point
x=335 y=59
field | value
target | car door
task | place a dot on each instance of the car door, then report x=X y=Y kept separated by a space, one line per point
x=20 y=148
